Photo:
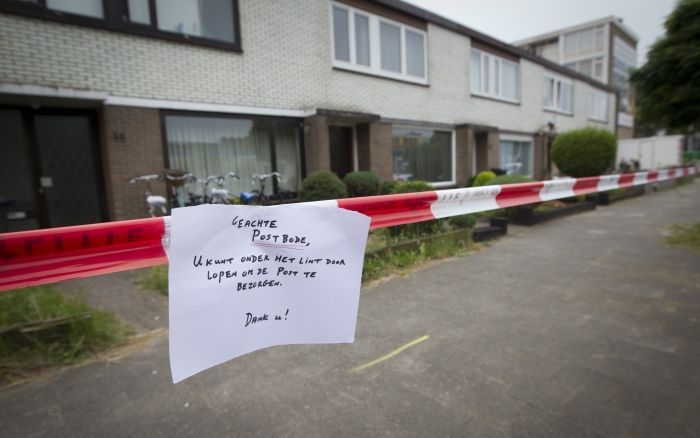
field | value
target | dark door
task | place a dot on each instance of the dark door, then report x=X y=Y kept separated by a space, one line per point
x=50 y=167
x=340 y=138
x=482 y=151
x=69 y=181
x=18 y=204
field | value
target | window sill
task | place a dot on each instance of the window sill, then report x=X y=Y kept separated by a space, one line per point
x=558 y=111
x=443 y=185
x=605 y=122
x=380 y=75
x=495 y=98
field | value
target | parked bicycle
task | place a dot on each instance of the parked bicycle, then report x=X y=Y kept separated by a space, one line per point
x=219 y=193
x=258 y=196
x=154 y=202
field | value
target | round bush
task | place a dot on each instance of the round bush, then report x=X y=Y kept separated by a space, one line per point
x=584 y=152
x=483 y=178
x=363 y=183
x=320 y=186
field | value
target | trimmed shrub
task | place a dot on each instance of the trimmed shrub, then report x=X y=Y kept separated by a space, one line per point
x=463 y=221
x=320 y=186
x=420 y=228
x=584 y=152
x=387 y=187
x=363 y=183
x=483 y=178
x=510 y=179
x=470 y=181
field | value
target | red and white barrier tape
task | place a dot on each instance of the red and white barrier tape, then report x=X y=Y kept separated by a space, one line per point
x=30 y=258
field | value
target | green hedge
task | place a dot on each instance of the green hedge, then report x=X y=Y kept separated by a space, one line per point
x=363 y=183
x=510 y=179
x=320 y=186
x=584 y=152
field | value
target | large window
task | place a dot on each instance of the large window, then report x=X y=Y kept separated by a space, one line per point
x=584 y=41
x=493 y=76
x=558 y=94
x=591 y=67
x=423 y=154
x=218 y=145
x=515 y=156
x=624 y=59
x=203 y=22
x=372 y=44
x=598 y=106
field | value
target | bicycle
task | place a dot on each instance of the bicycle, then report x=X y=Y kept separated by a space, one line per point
x=154 y=202
x=176 y=180
x=218 y=194
x=258 y=197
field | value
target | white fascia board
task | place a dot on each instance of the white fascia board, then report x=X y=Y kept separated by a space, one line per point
x=206 y=107
x=45 y=91
x=106 y=99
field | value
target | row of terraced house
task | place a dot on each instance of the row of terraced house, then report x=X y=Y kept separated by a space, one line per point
x=93 y=92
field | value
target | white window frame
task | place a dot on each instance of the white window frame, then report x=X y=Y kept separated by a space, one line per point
x=556 y=98
x=520 y=139
x=374 y=67
x=593 y=95
x=453 y=152
x=487 y=58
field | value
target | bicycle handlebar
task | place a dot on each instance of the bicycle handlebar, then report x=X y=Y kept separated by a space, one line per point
x=144 y=178
x=264 y=176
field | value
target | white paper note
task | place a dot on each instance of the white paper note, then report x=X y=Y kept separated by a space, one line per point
x=244 y=278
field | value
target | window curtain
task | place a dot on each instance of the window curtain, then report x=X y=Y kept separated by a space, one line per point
x=422 y=154
x=216 y=146
x=516 y=157
x=287 y=151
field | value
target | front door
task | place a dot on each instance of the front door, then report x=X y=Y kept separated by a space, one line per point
x=340 y=138
x=481 y=152
x=53 y=171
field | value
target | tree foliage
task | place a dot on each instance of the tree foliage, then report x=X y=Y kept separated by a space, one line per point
x=668 y=85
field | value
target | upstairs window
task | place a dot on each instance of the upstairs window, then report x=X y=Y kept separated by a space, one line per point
x=211 y=23
x=88 y=8
x=598 y=106
x=211 y=19
x=558 y=94
x=372 y=44
x=493 y=76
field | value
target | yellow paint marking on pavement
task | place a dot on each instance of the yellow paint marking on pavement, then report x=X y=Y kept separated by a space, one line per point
x=390 y=355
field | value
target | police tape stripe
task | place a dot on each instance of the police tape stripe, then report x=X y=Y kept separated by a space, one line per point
x=37 y=257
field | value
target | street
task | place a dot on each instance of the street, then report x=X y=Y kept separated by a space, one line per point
x=584 y=326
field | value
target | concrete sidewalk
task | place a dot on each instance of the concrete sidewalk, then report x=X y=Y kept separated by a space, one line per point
x=585 y=326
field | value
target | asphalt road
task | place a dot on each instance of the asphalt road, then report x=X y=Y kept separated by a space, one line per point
x=584 y=326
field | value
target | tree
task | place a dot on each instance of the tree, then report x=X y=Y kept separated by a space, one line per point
x=668 y=85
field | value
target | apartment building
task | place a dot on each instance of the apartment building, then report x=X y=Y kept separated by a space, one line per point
x=93 y=92
x=604 y=49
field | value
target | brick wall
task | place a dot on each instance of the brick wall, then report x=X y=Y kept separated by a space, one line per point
x=132 y=145
x=285 y=63
x=465 y=154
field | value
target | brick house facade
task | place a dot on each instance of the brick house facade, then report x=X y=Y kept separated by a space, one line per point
x=278 y=86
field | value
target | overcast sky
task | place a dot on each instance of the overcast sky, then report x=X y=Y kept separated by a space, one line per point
x=511 y=20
